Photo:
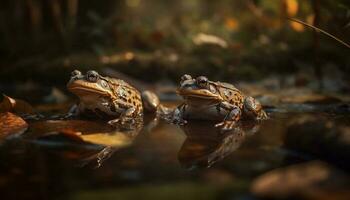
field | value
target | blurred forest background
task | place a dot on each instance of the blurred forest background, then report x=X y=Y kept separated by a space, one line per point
x=153 y=40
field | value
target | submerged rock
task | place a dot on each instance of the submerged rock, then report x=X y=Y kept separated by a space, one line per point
x=311 y=180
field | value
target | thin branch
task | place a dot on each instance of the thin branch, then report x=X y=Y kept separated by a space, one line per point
x=320 y=30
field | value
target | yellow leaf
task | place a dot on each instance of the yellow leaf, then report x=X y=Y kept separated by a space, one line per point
x=297 y=27
x=116 y=140
x=310 y=19
x=85 y=131
x=292 y=7
x=231 y=24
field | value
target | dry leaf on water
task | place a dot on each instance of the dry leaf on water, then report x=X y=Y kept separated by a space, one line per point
x=116 y=140
x=11 y=125
x=16 y=106
x=82 y=131
x=41 y=128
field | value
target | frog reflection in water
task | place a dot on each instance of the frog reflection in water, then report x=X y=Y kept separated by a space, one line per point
x=110 y=98
x=208 y=100
x=205 y=145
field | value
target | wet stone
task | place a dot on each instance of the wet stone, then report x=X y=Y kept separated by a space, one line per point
x=311 y=180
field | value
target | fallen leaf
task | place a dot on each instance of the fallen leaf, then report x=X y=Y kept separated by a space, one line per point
x=83 y=131
x=11 y=125
x=16 y=106
x=41 y=128
x=118 y=139
x=205 y=39
x=71 y=134
x=114 y=139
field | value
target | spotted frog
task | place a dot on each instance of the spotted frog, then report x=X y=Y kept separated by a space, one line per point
x=110 y=98
x=209 y=100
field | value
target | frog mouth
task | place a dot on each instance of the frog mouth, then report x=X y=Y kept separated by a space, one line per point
x=199 y=93
x=85 y=88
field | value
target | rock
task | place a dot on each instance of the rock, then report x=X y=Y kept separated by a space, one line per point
x=150 y=101
x=15 y=106
x=311 y=180
x=56 y=96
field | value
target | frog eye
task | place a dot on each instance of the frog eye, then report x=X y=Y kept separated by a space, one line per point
x=92 y=76
x=202 y=81
x=75 y=73
x=186 y=77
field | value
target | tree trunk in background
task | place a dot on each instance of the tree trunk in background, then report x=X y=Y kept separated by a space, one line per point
x=316 y=42
x=72 y=10
x=71 y=21
x=283 y=13
x=35 y=17
x=56 y=12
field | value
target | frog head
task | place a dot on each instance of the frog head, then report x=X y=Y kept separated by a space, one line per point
x=199 y=90
x=89 y=87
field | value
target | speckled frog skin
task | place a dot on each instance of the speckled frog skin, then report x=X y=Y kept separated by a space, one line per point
x=107 y=97
x=209 y=100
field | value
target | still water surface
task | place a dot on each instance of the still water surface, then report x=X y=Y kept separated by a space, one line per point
x=160 y=161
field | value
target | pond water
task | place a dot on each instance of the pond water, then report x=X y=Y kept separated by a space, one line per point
x=161 y=160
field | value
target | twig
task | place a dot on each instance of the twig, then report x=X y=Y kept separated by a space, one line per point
x=320 y=30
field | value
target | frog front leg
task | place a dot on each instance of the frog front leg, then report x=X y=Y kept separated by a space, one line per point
x=177 y=116
x=74 y=111
x=126 y=116
x=253 y=109
x=231 y=118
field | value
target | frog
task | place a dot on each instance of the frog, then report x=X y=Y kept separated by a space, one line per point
x=109 y=98
x=216 y=101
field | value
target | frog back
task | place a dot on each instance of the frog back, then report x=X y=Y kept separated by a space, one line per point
x=231 y=94
x=126 y=95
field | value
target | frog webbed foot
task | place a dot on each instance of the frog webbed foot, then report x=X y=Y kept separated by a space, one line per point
x=126 y=123
x=231 y=120
x=262 y=116
x=126 y=119
x=253 y=109
x=226 y=125
x=179 y=121
x=72 y=113
x=121 y=121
